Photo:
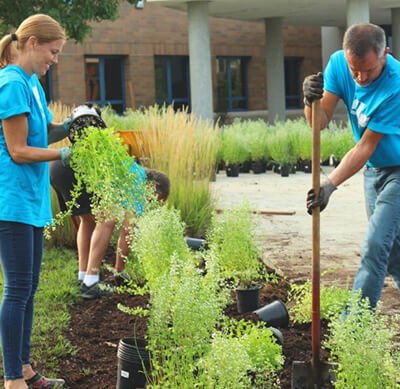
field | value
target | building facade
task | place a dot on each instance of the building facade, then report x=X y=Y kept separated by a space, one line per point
x=142 y=58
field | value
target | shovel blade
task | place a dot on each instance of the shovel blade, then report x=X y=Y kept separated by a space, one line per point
x=304 y=376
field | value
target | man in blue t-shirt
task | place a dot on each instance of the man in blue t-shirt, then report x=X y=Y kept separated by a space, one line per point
x=367 y=79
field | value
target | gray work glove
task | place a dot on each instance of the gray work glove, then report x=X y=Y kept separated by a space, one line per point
x=321 y=201
x=65 y=156
x=313 y=88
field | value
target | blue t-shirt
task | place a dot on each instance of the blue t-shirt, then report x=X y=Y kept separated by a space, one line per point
x=138 y=188
x=25 y=187
x=375 y=106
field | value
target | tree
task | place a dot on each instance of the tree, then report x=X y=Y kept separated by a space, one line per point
x=74 y=15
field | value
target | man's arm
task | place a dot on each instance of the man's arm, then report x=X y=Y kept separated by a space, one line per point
x=356 y=158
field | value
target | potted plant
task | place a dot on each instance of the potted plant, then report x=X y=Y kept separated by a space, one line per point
x=279 y=147
x=232 y=239
x=233 y=150
x=258 y=145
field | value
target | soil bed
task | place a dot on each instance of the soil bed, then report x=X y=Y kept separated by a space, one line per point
x=97 y=326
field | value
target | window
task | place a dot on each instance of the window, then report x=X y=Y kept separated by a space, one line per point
x=105 y=81
x=172 y=81
x=292 y=82
x=232 y=84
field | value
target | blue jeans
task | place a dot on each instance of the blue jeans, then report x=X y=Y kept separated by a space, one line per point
x=380 y=252
x=21 y=248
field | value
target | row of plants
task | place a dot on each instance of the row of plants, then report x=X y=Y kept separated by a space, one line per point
x=283 y=143
x=191 y=342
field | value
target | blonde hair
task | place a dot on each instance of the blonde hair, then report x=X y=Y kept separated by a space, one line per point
x=43 y=27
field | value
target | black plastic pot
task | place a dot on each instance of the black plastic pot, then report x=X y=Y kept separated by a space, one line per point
x=245 y=167
x=248 y=299
x=133 y=361
x=285 y=168
x=258 y=167
x=274 y=314
x=277 y=335
x=232 y=170
x=196 y=243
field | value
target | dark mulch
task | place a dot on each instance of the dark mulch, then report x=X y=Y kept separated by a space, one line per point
x=97 y=326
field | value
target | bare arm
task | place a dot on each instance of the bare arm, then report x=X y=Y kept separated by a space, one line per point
x=16 y=134
x=56 y=132
x=328 y=105
x=356 y=158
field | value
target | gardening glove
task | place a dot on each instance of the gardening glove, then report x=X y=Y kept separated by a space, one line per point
x=313 y=88
x=66 y=124
x=322 y=200
x=65 y=155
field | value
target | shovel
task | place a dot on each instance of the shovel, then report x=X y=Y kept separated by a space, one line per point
x=315 y=373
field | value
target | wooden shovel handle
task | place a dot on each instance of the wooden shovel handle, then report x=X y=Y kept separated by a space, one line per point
x=315 y=323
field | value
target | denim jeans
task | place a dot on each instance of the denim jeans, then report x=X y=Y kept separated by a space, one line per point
x=380 y=253
x=21 y=248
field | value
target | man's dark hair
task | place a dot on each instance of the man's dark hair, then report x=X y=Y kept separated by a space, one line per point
x=161 y=183
x=361 y=38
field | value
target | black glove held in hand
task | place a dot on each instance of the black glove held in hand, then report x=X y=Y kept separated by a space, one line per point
x=322 y=200
x=313 y=88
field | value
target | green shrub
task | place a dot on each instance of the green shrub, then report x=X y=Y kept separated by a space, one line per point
x=332 y=302
x=159 y=235
x=232 y=239
x=362 y=347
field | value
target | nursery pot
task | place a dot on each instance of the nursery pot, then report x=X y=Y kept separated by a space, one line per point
x=285 y=168
x=196 y=243
x=277 y=335
x=133 y=360
x=245 y=167
x=257 y=167
x=82 y=117
x=248 y=299
x=232 y=170
x=274 y=314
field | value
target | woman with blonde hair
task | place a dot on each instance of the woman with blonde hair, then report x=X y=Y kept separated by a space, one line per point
x=26 y=129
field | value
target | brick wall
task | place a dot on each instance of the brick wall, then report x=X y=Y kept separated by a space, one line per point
x=155 y=30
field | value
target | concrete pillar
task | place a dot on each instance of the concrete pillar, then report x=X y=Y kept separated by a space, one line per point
x=357 y=12
x=200 y=60
x=331 y=39
x=396 y=32
x=275 y=69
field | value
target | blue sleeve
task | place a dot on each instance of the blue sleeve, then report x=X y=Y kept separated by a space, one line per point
x=385 y=118
x=332 y=80
x=15 y=99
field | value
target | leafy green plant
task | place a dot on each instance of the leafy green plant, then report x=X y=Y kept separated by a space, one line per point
x=280 y=148
x=361 y=345
x=232 y=239
x=226 y=365
x=332 y=302
x=233 y=148
x=247 y=348
x=185 y=307
x=101 y=164
x=257 y=139
x=158 y=236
